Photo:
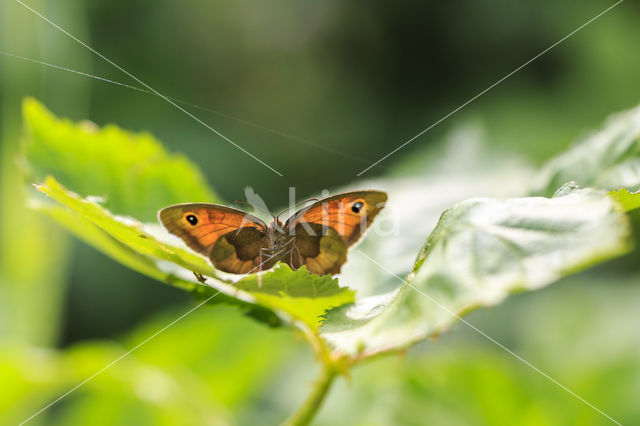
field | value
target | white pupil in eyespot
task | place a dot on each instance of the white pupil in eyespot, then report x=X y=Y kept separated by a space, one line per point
x=356 y=207
x=192 y=219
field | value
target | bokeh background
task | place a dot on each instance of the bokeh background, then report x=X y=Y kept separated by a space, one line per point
x=318 y=90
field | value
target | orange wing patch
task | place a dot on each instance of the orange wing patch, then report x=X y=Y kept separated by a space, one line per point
x=350 y=213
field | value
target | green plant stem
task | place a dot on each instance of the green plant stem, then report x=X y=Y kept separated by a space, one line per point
x=309 y=408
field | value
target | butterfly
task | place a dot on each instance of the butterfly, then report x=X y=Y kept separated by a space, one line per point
x=316 y=236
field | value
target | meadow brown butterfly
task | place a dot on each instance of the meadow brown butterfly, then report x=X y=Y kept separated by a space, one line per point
x=317 y=236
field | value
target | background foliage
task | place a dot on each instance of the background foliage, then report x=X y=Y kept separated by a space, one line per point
x=343 y=76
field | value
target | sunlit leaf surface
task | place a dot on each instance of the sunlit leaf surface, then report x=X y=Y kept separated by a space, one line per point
x=481 y=251
x=628 y=200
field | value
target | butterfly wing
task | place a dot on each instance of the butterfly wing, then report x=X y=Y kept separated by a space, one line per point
x=231 y=238
x=324 y=230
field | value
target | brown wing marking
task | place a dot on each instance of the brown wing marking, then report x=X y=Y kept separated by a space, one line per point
x=242 y=252
x=323 y=253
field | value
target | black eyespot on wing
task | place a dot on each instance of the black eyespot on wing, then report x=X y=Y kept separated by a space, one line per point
x=357 y=206
x=192 y=219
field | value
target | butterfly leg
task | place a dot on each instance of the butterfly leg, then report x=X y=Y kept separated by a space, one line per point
x=200 y=277
x=291 y=254
x=260 y=268
x=299 y=256
x=292 y=251
x=293 y=246
x=268 y=257
x=300 y=259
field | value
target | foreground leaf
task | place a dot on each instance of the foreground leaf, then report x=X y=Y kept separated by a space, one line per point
x=608 y=159
x=481 y=251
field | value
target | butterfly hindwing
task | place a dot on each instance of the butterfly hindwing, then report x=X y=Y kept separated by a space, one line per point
x=242 y=252
x=323 y=251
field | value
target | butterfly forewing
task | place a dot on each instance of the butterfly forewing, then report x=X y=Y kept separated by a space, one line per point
x=201 y=225
x=349 y=213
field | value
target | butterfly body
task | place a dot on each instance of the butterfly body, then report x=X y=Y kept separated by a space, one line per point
x=317 y=236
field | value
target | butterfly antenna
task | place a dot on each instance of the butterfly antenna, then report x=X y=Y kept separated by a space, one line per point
x=297 y=204
x=242 y=202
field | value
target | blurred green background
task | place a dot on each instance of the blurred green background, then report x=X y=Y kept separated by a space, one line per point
x=339 y=84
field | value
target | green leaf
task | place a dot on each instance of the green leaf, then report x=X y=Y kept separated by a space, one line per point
x=125 y=230
x=301 y=294
x=95 y=237
x=608 y=159
x=131 y=171
x=481 y=251
x=628 y=200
